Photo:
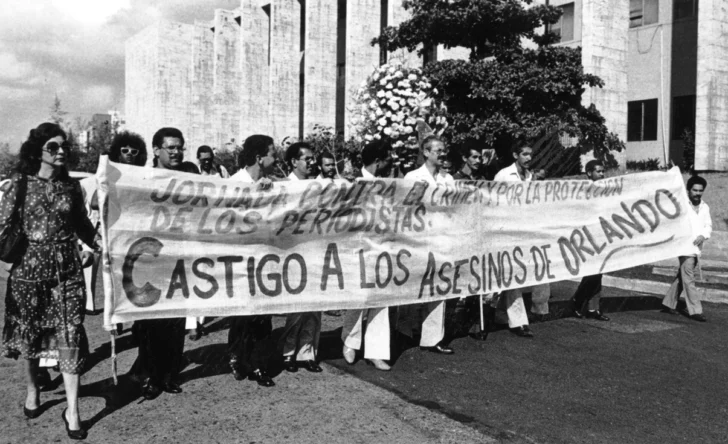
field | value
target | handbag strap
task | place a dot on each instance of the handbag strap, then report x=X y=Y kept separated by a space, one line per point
x=20 y=199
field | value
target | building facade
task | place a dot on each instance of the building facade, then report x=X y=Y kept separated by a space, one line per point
x=279 y=67
x=665 y=68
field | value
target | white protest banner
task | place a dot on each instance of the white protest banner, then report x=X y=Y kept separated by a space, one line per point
x=185 y=245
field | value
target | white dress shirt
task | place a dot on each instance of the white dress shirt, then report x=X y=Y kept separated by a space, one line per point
x=510 y=174
x=422 y=173
x=242 y=176
x=701 y=223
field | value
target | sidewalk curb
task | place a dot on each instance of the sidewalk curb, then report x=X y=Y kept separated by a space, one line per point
x=660 y=288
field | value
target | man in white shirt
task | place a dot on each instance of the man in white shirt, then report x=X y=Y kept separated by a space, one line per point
x=301 y=334
x=702 y=229
x=512 y=300
x=248 y=349
x=377 y=163
x=433 y=327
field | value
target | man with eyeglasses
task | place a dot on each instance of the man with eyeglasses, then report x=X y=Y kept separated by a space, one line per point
x=162 y=341
x=169 y=151
x=301 y=334
x=433 y=327
x=206 y=159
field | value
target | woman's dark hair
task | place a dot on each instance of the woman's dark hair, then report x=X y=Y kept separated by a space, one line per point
x=133 y=140
x=254 y=146
x=29 y=158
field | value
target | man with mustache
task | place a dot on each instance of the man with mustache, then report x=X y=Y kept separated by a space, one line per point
x=702 y=229
x=511 y=301
x=377 y=163
x=162 y=341
x=248 y=337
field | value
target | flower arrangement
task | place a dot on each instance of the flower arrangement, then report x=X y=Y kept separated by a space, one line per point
x=393 y=103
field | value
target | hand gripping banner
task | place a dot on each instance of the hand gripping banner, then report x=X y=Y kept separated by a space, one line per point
x=185 y=245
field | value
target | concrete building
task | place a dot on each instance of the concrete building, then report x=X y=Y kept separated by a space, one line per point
x=665 y=68
x=279 y=67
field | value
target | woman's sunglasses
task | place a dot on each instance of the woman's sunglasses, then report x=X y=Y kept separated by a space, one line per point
x=53 y=147
x=129 y=151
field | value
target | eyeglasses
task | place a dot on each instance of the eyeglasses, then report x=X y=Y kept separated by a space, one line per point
x=129 y=151
x=53 y=147
x=174 y=149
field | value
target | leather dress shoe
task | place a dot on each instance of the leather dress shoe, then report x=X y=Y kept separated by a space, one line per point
x=698 y=317
x=150 y=390
x=439 y=348
x=289 y=364
x=312 y=366
x=171 y=387
x=334 y=313
x=237 y=374
x=668 y=310
x=261 y=377
x=596 y=314
x=349 y=355
x=73 y=434
x=379 y=364
x=578 y=312
x=523 y=331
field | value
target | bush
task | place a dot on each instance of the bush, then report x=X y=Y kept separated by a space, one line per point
x=688 y=140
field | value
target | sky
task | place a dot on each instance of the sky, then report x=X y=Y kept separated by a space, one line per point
x=74 y=49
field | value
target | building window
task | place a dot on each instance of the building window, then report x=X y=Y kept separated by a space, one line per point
x=685 y=9
x=564 y=28
x=683 y=116
x=643 y=12
x=642 y=120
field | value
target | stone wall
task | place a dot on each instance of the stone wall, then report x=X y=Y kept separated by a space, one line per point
x=711 y=130
x=604 y=38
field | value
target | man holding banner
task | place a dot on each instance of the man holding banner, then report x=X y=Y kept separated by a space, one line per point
x=162 y=341
x=433 y=327
x=590 y=287
x=702 y=229
x=377 y=163
x=512 y=300
x=301 y=334
x=248 y=348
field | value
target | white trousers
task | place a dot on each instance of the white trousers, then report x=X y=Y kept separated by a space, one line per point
x=509 y=305
x=191 y=322
x=433 y=326
x=376 y=334
x=301 y=335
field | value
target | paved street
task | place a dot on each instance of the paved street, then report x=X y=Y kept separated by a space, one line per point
x=645 y=377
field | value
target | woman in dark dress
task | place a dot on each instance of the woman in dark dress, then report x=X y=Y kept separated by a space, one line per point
x=45 y=298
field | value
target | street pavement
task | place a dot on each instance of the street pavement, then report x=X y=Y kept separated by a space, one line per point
x=644 y=377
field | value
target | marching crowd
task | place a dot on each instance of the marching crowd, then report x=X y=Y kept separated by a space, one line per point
x=43 y=215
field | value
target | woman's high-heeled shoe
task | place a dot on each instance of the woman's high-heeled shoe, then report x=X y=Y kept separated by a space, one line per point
x=74 y=434
x=32 y=414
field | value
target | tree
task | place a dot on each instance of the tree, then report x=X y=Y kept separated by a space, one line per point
x=58 y=115
x=7 y=160
x=505 y=92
